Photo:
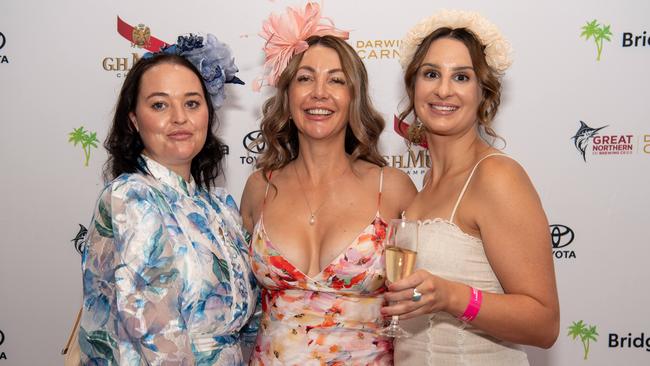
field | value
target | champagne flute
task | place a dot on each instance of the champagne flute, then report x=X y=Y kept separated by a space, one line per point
x=401 y=245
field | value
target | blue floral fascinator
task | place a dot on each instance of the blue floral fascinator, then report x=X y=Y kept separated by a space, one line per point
x=212 y=58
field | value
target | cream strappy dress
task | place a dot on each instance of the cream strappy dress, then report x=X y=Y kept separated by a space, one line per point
x=440 y=339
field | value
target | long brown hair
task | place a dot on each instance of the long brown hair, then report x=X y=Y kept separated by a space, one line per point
x=488 y=78
x=365 y=124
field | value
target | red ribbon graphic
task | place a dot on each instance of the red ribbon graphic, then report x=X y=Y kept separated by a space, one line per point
x=126 y=31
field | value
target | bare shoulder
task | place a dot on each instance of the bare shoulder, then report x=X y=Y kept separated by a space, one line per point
x=396 y=179
x=256 y=180
x=393 y=179
x=255 y=184
x=253 y=193
x=503 y=179
x=398 y=191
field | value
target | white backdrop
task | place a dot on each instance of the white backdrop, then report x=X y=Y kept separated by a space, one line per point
x=56 y=61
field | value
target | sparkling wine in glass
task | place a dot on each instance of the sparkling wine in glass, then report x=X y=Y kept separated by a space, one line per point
x=400 y=252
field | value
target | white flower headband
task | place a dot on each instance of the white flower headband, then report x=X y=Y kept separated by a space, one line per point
x=497 y=49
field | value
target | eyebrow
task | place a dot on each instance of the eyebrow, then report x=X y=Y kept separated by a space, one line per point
x=162 y=94
x=458 y=68
x=311 y=69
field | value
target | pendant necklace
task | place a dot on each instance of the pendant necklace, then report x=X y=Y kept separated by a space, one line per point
x=312 y=213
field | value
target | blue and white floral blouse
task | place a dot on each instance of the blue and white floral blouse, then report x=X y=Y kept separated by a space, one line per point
x=166 y=275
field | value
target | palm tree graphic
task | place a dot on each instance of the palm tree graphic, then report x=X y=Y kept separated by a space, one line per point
x=87 y=140
x=599 y=32
x=586 y=333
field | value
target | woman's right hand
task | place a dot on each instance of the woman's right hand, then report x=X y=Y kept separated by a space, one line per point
x=438 y=294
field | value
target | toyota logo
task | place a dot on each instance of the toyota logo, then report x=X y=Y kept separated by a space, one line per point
x=2 y=335
x=3 y=40
x=253 y=143
x=561 y=236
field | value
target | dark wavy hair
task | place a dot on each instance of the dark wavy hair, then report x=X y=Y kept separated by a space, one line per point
x=124 y=144
x=488 y=78
x=365 y=125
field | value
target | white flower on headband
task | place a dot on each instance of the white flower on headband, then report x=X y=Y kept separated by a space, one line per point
x=497 y=49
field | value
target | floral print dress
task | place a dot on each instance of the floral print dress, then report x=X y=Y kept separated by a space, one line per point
x=329 y=319
x=166 y=276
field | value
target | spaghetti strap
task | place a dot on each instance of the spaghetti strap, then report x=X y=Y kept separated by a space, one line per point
x=381 y=187
x=266 y=191
x=469 y=178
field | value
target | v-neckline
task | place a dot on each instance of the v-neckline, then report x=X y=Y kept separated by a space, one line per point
x=267 y=239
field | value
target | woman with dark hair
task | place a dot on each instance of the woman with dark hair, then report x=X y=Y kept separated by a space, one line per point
x=317 y=207
x=165 y=271
x=484 y=280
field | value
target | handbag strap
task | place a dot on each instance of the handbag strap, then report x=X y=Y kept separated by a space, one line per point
x=72 y=333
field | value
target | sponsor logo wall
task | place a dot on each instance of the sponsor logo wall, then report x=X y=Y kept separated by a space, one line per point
x=574 y=114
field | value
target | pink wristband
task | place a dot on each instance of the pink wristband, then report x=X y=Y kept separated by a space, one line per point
x=473 y=307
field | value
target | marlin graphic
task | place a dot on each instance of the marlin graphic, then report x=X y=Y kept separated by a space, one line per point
x=583 y=136
x=80 y=239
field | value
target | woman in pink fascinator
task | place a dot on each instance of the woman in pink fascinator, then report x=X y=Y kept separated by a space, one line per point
x=318 y=205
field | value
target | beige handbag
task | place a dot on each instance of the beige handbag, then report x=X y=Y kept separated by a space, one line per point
x=71 y=352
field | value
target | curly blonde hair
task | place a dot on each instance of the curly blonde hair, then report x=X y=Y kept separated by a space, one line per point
x=280 y=135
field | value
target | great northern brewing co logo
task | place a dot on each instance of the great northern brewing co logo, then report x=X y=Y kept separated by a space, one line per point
x=583 y=137
x=599 y=33
x=588 y=140
x=79 y=240
x=139 y=36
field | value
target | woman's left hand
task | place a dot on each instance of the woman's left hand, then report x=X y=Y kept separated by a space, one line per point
x=435 y=295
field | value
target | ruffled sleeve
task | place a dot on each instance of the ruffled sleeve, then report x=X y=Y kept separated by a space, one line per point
x=147 y=281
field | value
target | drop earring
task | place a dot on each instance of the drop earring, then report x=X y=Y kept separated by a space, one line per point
x=416 y=132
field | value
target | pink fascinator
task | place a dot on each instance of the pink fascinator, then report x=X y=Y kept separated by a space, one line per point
x=285 y=37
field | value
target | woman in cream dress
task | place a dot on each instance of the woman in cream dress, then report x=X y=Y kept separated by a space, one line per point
x=484 y=279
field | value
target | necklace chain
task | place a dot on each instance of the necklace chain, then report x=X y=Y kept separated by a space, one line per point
x=312 y=213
